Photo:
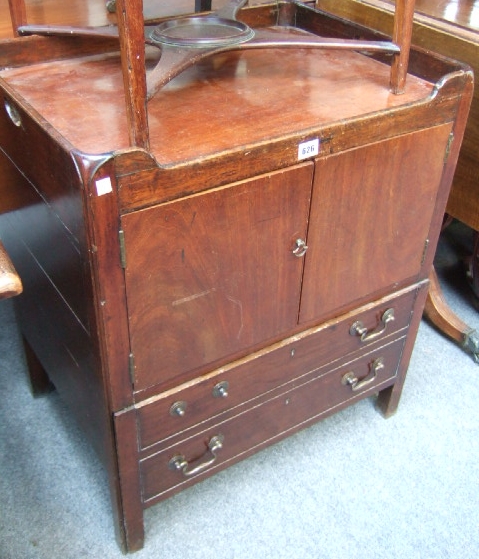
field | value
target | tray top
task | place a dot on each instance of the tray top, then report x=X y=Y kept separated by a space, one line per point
x=231 y=100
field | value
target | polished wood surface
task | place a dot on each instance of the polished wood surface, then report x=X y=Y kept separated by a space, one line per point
x=323 y=393
x=195 y=261
x=83 y=12
x=130 y=27
x=350 y=254
x=232 y=80
x=464 y=13
x=450 y=28
x=439 y=313
x=461 y=13
x=311 y=348
x=18 y=14
x=74 y=12
x=402 y=31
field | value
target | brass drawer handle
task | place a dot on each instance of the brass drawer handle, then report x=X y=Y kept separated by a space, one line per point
x=220 y=390
x=350 y=379
x=178 y=409
x=179 y=462
x=358 y=329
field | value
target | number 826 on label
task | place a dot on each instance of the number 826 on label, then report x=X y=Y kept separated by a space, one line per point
x=308 y=149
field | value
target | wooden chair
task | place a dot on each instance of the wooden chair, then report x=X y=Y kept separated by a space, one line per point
x=10 y=283
x=18 y=14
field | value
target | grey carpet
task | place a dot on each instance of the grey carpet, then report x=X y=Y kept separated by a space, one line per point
x=353 y=486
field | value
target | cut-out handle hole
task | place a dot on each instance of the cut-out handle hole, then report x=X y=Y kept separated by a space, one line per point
x=13 y=113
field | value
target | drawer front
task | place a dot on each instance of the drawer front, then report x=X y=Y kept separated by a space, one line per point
x=218 y=444
x=278 y=365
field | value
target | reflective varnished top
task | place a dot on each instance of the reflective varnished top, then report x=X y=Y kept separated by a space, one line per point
x=464 y=13
x=234 y=99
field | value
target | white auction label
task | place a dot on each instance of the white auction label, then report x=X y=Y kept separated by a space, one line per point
x=308 y=149
x=103 y=186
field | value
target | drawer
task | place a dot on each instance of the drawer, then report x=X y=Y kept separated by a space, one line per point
x=216 y=445
x=278 y=365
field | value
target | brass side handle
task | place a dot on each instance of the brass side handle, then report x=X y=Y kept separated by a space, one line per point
x=358 y=328
x=180 y=464
x=350 y=379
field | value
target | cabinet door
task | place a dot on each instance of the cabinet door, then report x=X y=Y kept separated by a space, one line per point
x=370 y=218
x=213 y=274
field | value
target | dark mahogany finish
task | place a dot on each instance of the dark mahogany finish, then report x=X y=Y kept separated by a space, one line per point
x=266 y=257
x=198 y=275
x=451 y=28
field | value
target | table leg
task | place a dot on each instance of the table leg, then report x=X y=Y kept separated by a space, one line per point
x=439 y=313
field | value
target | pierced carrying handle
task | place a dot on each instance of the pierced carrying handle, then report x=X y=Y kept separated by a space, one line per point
x=358 y=328
x=350 y=379
x=179 y=462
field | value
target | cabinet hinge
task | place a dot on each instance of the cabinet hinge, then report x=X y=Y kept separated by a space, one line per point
x=131 y=368
x=121 y=236
x=424 y=251
x=448 y=147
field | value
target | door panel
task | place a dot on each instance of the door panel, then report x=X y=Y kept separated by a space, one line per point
x=213 y=274
x=370 y=217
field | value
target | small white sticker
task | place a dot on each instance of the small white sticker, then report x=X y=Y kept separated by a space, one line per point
x=308 y=149
x=103 y=186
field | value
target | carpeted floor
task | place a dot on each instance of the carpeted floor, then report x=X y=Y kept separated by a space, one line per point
x=354 y=486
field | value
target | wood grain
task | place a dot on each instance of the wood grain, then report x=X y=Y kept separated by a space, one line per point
x=398 y=183
x=196 y=295
x=449 y=28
